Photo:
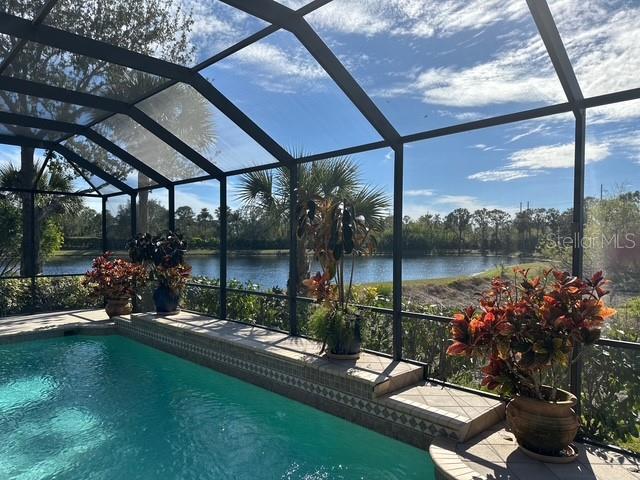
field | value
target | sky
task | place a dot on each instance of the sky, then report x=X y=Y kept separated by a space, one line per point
x=428 y=64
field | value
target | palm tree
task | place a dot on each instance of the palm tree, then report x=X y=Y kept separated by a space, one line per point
x=46 y=207
x=336 y=177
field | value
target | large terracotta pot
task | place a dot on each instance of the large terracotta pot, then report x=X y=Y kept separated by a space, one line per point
x=543 y=427
x=166 y=301
x=350 y=349
x=119 y=306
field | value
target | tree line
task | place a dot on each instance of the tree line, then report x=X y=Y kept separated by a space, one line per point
x=488 y=231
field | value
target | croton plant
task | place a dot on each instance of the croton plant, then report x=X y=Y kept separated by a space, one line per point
x=115 y=278
x=525 y=331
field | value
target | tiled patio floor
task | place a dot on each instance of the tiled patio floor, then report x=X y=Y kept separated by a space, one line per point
x=494 y=455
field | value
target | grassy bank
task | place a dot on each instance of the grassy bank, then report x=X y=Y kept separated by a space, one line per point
x=452 y=292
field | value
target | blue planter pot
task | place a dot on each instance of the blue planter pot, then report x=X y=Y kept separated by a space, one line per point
x=166 y=301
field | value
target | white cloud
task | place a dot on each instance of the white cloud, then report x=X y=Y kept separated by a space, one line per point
x=415 y=18
x=278 y=62
x=419 y=193
x=529 y=162
x=500 y=175
x=538 y=129
x=555 y=156
x=601 y=39
x=520 y=75
x=278 y=70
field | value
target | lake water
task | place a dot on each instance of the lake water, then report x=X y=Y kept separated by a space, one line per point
x=271 y=270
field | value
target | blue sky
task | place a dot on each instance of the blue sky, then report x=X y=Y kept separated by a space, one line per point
x=429 y=64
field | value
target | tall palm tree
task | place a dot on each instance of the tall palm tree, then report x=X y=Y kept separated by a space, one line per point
x=338 y=177
x=46 y=207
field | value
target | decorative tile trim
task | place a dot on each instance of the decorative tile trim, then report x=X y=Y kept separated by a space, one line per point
x=276 y=370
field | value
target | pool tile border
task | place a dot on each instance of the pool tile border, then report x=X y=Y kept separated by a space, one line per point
x=292 y=380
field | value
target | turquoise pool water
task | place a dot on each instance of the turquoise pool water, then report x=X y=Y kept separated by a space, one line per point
x=90 y=408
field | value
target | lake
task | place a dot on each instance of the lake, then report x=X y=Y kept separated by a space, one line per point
x=272 y=270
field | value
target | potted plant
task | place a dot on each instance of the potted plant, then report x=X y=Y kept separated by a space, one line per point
x=116 y=281
x=163 y=257
x=331 y=231
x=525 y=333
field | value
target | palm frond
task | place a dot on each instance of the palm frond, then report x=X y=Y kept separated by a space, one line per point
x=10 y=176
x=373 y=204
x=256 y=188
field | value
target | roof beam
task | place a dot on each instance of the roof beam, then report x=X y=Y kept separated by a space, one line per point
x=70 y=42
x=344 y=80
x=22 y=141
x=555 y=48
x=82 y=163
x=91 y=135
x=276 y=13
x=28 y=87
x=42 y=90
x=53 y=37
x=267 y=10
x=228 y=108
x=37 y=20
x=174 y=142
x=125 y=156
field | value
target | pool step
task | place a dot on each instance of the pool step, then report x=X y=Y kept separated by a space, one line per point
x=467 y=413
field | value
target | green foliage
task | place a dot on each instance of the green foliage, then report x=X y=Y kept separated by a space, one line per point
x=10 y=236
x=52 y=238
x=18 y=296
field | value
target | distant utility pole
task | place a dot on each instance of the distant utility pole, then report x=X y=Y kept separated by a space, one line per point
x=601 y=192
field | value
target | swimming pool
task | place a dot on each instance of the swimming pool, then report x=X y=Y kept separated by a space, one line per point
x=86 y=408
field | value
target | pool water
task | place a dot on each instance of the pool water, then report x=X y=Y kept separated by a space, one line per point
x=89 y=408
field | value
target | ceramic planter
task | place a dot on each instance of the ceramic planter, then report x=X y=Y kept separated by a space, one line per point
x=166 y=301
x=118 y=306
x=348 y=349
x=544 y=428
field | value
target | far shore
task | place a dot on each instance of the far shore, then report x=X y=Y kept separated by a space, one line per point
x=284 y=252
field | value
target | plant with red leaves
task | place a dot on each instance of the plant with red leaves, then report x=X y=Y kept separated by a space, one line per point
x=526 y=330
x=114 y=278
x=173 y=278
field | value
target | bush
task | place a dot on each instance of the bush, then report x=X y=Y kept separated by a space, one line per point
x=48 y=294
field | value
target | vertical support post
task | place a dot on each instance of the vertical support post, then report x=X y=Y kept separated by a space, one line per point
x=292 y=288
x=172 y=208
x=33 y=258
x=578 y=232
x=134 y=214
x=105 y=240
x=398 y=172
x=223 y=248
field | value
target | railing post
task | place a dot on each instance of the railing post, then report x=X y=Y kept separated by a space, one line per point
x=578 y=232
x=398 y=172
x=33 y=258
x=223 y=248
x=292 y=288
x=172 y=207
x=134 y=215
x=105 y=241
